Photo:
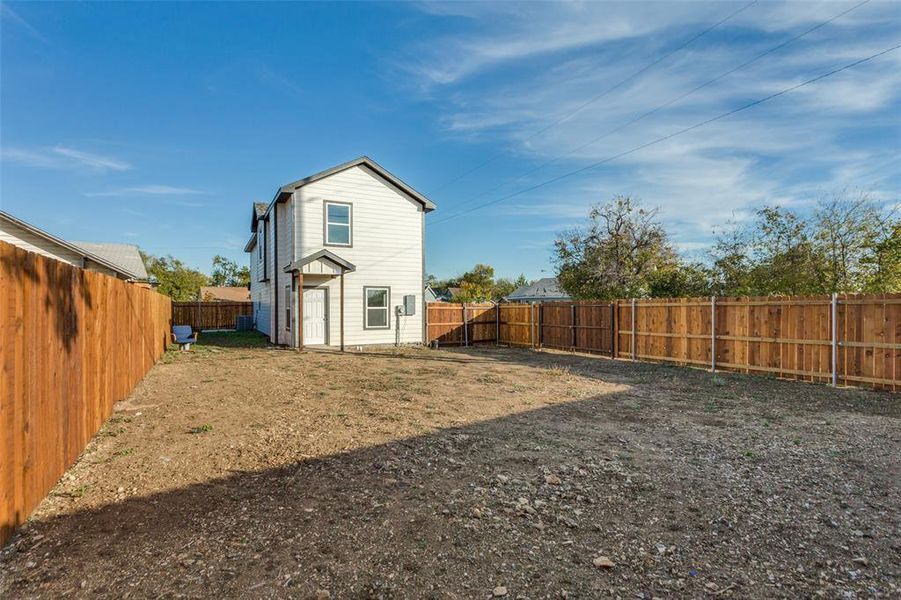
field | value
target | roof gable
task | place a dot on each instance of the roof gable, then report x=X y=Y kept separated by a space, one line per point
x=287 y=189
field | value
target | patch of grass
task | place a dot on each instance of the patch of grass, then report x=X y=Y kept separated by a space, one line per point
x=232 y=339
x=557 y=370
x=78 y=492
x=125 y=452
x=205 y=428
x=712 y=406
x=753 y=456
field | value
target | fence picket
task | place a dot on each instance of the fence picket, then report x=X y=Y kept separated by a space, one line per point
x=788 y=337
x=72 y=343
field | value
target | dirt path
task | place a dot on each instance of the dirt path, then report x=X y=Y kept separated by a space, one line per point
x=255 y=472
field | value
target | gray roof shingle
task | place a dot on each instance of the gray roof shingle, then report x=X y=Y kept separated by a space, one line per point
x=125 y=256
x=543 y=289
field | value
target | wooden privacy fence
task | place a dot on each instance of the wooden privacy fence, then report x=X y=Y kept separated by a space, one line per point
x=72 y=343
x=791 y=337
x=210 y=315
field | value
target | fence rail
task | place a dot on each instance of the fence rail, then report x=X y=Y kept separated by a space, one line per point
x=840 y=339
x=210 y=315
x=72 y=343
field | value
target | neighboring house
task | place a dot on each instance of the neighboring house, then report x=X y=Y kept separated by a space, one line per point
x=122 y=261
x=430 y=295
x=224 y=293
x=340 y=253
x=543 y=290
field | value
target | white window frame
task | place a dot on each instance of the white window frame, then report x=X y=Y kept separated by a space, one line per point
x=349 y=224
x=366 y=307
x=289 y=300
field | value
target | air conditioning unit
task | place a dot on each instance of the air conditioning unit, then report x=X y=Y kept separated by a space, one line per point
x=244 y=323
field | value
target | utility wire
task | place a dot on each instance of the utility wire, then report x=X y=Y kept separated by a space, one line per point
x=662 y=106
x=675 y=133
x=594 y=99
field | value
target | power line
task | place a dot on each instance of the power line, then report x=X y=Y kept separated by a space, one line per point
x=664 y=105
x=674 y=134
x=594 y=99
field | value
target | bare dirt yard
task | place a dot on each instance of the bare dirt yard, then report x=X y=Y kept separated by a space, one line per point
x=240 y=470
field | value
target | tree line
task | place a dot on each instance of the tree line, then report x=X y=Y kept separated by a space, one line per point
x=847 y=244
x=182 y=283
x=479 y=284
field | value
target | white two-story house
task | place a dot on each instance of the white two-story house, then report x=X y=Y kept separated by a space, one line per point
x=338 y=259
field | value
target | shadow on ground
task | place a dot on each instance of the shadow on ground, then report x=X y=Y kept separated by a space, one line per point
x=655 y=477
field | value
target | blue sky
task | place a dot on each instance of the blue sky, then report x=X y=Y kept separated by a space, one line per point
x=159 y=123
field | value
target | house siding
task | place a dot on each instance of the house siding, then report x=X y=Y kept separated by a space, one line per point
x=260 y=295
x=387 y=251
x=17 y=236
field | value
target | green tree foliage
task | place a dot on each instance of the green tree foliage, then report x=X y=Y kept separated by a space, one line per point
x=623 y=252
x=478 y=285
x=847 y=245
x=228 y=273
x=176 y=280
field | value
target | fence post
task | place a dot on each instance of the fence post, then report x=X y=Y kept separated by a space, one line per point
x=713 y=334
x=540 y=312
x=572 y=321
x=612 y=330
x=465 y=326
x=614 y=349
x=633 y=330
x=834 y=320
x=532 y=337
x=497 y=324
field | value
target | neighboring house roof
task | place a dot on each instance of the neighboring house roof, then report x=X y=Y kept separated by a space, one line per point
x=452 y=291
x=543 y=289
x=126 y=256
x=430 y=295
x=284 y=191
x=226 y=293
x=79 y=248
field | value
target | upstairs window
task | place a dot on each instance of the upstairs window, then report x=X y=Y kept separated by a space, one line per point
x=338 y=224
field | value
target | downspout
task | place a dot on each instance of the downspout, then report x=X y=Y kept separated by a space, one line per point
x=425 y=306
x=275 y=289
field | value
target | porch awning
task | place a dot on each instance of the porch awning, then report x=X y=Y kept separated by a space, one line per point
x=332 y=263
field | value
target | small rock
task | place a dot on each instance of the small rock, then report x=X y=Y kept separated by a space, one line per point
x=499 y=591
x=323 y=595
x=603 y=562
x=862 y=561
x=120 y=489
x=476 y=513
x=552 y=479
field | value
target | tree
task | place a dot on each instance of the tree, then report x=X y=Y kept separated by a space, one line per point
x=883 y=261
x=616 y=255
x=227 y=273
x=846 y=245
x=176 y=280
x=477 y=285
x=503 y=287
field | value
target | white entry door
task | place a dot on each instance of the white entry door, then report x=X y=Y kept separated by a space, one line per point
x=314 y=323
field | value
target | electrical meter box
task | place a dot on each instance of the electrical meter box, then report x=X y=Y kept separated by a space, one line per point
x=410 y=305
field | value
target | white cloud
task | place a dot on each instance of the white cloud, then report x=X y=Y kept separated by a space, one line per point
x=148 y=190
x=65 y=158
x=7 y=13
x=786 y=151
